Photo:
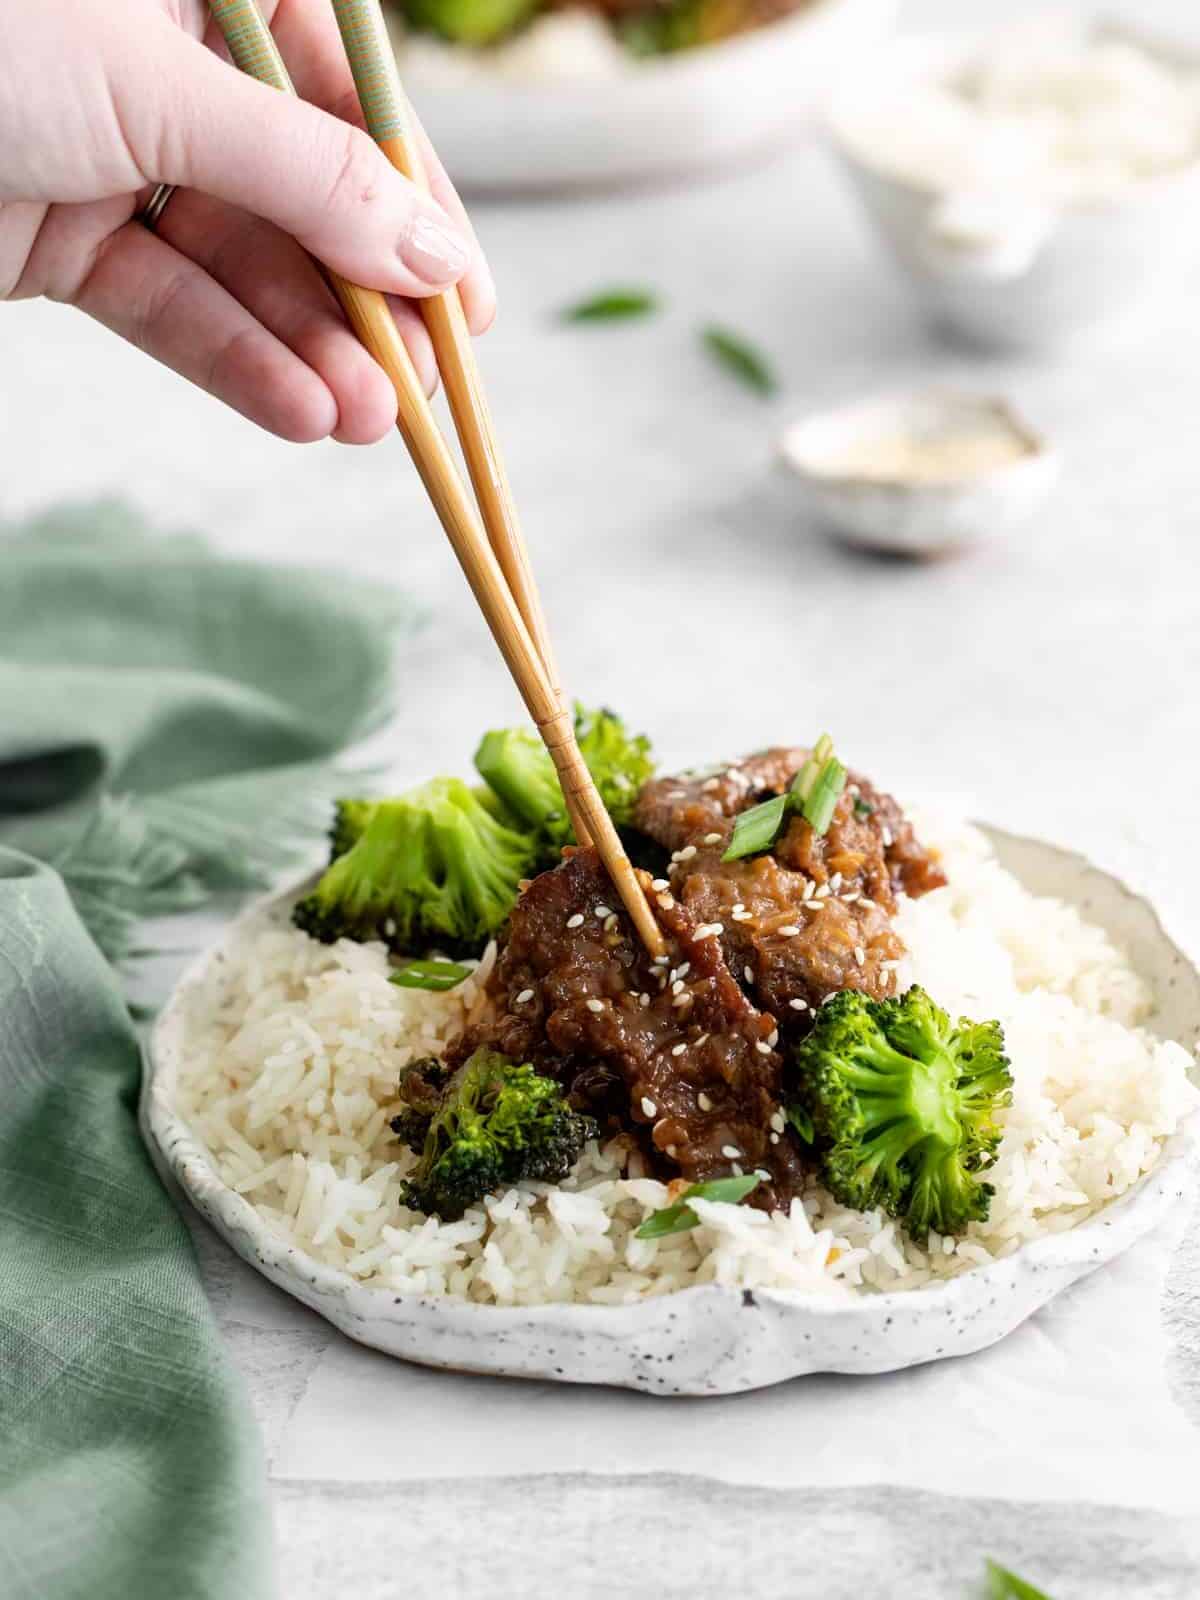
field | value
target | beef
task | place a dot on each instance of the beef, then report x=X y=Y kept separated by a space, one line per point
x=812 y=916
x=673 y=1051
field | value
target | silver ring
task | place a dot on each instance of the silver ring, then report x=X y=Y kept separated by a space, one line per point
x=151 y=213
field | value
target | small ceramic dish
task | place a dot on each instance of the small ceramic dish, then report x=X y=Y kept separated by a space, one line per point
x=920 y=474
x=1011 y=269
x=713 y=1340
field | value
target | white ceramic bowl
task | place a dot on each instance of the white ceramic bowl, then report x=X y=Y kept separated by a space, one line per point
x=1021 y=275
x=659 y=119
x=712 y=1340
x=898 y=510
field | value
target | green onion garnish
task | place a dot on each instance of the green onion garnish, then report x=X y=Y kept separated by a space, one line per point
x=805 y=780
x=1005 y=1585
x=740 y=359
x=863 y=808
x=802 y=1122
x=437 y=976
x=612 y=305
x=680 y=1217
x=757 y=829
x=820 y=805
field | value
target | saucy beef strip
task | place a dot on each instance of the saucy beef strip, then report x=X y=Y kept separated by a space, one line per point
x=674 y=1051
x=813 y=915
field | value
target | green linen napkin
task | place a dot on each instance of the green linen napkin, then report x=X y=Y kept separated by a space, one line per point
x=167 y=719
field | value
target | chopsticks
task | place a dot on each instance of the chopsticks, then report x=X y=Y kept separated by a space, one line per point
x=254 y=51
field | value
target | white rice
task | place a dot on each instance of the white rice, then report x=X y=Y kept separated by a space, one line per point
x=294 y=1049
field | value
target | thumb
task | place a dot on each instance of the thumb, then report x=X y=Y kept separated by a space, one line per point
x=318 y=178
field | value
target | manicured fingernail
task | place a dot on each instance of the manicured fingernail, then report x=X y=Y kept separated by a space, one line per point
x=433 y=252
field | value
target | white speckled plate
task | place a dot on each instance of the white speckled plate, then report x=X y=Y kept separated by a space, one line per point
x=713 y=1340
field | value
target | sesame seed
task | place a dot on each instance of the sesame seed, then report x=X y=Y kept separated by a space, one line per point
x=710 y=930
x=710 y=784
x=763 y=1048
x=595 y=1005
x=867 y=901
x=773 y=1037
x=761 y=1172
x=860 y=955
x=678 y=1049
x=703 y=1101
x=886 y=835
x=677 y=986
x=703 y=1039
x=643 y=1000
x=610 y=922
x=661 y=961
x=774 y=1138
x=849 y=899
x=748 y=973
x=730 y=1152
x=675 y=794
x=798 y=1004
x=738 y=907
x=648 y=1106
x=525 y=994
x=602 y=912
x=835 y=883
x=682 y=972
x=712 y=838
x=778 y=1122
x=686 y=854
x=682 y=1000
x=807 y=891
x=671 y=1151
x=788 y=931
x=665 y=901
x=389 y=927
x=737 y=1169
x=889 y=966
x=822 y=893
x=576 y=921
x=742 y=916
x=660 y=884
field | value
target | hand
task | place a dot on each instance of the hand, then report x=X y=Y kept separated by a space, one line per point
x=102 y=99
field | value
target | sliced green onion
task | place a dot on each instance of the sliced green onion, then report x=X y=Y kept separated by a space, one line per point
x=739 y=358
x=757 y=829
x=612 y=305
x=802 y=1122
x=1005 y=1585
x=820 y=805
x=680 y=1217
x=805 y=779
x=863 y=808
x=437 y=976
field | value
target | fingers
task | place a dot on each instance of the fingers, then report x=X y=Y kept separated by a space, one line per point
x=282 y=289
x=316 y=177
x=308 y=38
x=169 y=307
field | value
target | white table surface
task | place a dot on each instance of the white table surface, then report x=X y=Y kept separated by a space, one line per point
x=1051 y=683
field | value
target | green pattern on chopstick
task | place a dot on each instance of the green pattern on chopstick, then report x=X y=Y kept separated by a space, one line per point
x=373 y=63
x=251 y=43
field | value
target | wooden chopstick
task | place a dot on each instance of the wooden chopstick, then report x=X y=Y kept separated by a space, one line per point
x=253 y=48
x=390 y=123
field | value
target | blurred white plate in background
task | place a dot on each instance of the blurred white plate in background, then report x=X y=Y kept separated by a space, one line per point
x=652 y=120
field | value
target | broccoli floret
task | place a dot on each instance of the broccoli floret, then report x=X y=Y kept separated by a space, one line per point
x=471 y=22
x=903 y=1107
x=350 y=818
x=491 y=1124
x=432 y=868
x=514 y=763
